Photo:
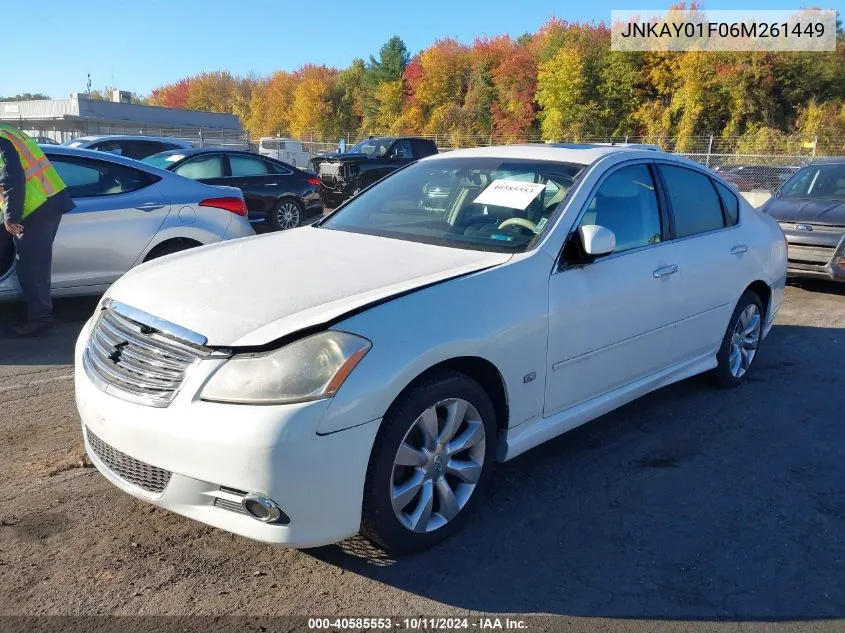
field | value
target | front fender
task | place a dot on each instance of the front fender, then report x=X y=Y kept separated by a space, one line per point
x=499 y=315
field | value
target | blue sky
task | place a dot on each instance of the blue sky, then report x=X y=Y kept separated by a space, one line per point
x=141 y=44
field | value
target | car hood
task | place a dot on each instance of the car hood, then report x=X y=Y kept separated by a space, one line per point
x=347 y=158
x=803 y=210
x=252 y=291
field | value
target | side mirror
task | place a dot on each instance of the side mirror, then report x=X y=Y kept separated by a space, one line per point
x=596 y=241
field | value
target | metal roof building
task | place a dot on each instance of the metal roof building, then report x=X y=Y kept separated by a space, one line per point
x=78 y=115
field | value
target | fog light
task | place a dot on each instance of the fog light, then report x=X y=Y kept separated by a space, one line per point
x=263 y=509
x=841 y=263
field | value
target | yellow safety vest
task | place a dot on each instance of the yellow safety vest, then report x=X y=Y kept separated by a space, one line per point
x=42 y=179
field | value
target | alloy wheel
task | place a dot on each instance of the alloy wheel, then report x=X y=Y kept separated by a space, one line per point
x=288 y=215
x=437 y=465
x=745 y=340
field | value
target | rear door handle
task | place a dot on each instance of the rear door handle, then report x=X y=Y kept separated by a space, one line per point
x=665 y=271
x=149 y=206
x=739 y=250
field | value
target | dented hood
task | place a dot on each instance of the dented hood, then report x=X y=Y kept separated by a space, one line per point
x=252 y=291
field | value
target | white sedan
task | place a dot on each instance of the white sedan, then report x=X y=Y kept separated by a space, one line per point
x=366 y=373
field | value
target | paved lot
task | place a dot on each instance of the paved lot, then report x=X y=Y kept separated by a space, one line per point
x=691 y=504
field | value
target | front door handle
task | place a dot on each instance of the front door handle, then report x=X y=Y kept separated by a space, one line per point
x=739 y=250
x=665 y=271
x=149 y=206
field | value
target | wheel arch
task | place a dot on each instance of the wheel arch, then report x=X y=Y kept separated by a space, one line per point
x=187 y=242
x=484 y=372
x=762 y=290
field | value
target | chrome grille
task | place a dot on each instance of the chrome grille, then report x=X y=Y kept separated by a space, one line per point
x=231 y=501
x=135 y=361
x=816 y=228
x=810 y=254
x=231 y=506
x=140 y=474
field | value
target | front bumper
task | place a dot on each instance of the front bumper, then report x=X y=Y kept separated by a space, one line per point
x=214 y=449
x=821 y=256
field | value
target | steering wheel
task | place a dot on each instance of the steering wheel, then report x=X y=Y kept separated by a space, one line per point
x=521 y=223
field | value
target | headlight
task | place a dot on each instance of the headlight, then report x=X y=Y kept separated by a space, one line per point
x=309 y=369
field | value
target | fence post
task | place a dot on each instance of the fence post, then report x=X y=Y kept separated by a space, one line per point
x=201 y=141
x=709 y=151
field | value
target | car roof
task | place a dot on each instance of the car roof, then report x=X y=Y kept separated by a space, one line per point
x=128 y=137
x=191 y=151
x=62 y=150
x=832 y=160
x=584 y=154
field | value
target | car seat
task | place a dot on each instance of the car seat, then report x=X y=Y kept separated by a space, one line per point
x=622 y=209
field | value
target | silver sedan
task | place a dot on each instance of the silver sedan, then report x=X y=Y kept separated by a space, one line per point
x=126 y=213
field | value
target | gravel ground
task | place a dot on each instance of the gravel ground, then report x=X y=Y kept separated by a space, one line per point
x=692 y=508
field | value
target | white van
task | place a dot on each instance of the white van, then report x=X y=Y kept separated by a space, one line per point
x=284 y=149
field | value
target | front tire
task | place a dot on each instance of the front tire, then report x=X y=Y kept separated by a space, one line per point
x=741 y=342
x=430 y=463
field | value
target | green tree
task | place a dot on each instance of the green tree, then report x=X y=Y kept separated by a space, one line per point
x=26 y=96
x=392 y=59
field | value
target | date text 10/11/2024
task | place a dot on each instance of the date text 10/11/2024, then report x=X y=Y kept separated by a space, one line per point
x=417 y=624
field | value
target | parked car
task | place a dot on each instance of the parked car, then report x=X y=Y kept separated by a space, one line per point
x=45 y=140
x=406 y=351
x=751 y=177
x=278 y=196
x=136 y=147
x=344 y=175
x=286 y=150
x=810 y=208
x=126 y=213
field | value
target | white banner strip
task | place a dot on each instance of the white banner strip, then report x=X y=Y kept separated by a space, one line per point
x=811 y=30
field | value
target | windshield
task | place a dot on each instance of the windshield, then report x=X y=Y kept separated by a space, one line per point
x=476 y=203
x=73 y=143
x=816 y=181
x=371 y=147
x=163 y=160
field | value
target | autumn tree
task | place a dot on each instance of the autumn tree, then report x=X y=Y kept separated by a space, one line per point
x=173 y=95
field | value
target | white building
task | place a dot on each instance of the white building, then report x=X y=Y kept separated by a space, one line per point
x=78 y=115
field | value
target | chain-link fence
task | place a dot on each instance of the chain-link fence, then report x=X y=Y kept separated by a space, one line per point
x=751 y=165
x=199 y=137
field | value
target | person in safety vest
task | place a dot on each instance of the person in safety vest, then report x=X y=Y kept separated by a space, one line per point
x=32 y=200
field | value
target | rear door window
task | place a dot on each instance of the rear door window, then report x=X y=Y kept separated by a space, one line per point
x=244 y=166
x=694 y=201
x=202 y=167
x=86 y=177
x=730 y=203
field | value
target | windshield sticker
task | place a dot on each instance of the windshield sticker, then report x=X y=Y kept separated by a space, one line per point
x=541 y=225
x=513 y=194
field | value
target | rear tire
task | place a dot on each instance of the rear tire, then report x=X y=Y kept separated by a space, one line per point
x=287 y=215
x=741 y=342
x=431 y=462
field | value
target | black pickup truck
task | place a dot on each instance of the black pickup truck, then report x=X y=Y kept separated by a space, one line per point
x=344 y=175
